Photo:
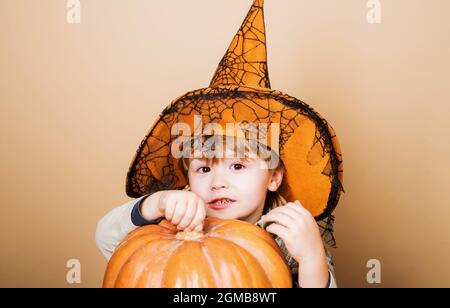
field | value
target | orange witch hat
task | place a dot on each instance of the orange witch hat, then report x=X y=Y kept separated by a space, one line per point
x=245 y=62
x=240 y=93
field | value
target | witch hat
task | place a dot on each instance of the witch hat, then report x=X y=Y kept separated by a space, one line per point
x=240 y=93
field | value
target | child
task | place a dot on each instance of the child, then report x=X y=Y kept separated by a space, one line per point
x=185 y=191
x=250 y=193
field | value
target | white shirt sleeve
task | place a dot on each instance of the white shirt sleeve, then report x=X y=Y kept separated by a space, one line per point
x=333 y=283
x=114 y=227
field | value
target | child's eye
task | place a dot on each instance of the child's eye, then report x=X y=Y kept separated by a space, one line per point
x=239 y=166
x=201 y=169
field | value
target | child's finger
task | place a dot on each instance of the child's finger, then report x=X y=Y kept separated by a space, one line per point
x=162 y=207
x=169 y=210
x=300 y=207
x=278 y=229
x=280 y=218
x=295 y=207
x=188 y=215
x=199 y=228
x=288 y=210
x=199 y=216
x=180 y=209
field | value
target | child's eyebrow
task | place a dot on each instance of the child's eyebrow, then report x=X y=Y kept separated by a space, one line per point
x=208 y=160
x=245 y=159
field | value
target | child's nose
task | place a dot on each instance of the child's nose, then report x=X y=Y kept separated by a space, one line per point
x=218 y=186
x=219 y=182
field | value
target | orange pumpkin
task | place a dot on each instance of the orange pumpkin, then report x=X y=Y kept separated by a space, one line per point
x=227 y=254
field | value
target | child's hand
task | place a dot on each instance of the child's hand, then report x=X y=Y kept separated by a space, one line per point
x=297 y=228
x=301 y=235
x=184 y=209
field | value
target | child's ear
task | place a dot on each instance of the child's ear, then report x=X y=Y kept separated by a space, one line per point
x=275 y=180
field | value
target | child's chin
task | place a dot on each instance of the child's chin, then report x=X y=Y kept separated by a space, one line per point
x=222 y=215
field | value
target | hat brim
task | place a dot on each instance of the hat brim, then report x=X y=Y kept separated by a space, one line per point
x=308 y=146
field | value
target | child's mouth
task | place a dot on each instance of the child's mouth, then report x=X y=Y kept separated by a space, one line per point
x=220 y=205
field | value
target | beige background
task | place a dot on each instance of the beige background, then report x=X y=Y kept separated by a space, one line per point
x=76 y=100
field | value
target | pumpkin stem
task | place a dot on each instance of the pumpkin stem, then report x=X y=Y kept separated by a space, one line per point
x=186 y=235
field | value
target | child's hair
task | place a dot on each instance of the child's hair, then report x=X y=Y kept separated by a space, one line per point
x=273 y=198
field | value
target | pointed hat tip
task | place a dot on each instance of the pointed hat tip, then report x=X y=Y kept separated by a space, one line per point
x=258 y=2
x=245 y=62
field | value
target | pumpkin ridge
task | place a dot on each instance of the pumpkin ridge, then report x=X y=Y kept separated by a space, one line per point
x=173 y=248
x=271 y=247
x=140 y=236
x=137 y=253
x=272 y=243
x=188 y=267
x=210 y=263
x=255 y=261
x=124 y=247
x=244 y=256
x=145 y=230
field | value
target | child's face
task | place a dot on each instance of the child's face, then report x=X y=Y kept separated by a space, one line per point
x=243 y=181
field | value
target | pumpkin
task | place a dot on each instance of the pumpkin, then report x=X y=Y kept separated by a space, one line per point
x=226 y=254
